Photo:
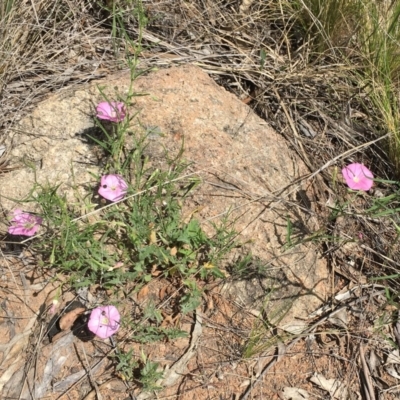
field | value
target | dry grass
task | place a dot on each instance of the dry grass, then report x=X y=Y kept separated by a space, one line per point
x=265 y=59
x=46 y=46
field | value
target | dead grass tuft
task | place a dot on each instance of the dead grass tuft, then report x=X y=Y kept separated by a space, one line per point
x=48 y=45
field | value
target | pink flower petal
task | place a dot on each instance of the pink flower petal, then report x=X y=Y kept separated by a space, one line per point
x=18 y=214
x=113 y=187
x=104 y=321
x=113 y=111
x=53 y=307
x=358 y=177
x=23 y=223
x=20 y=230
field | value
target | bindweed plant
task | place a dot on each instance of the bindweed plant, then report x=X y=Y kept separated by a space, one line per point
x=145 y=372
x=358 y=203
x=126 y=231
x=126 y=364
x=135 y=231
x=23 y=223
x=104 y=321
x=358 y=177
x=364 y=218
x=149 y=373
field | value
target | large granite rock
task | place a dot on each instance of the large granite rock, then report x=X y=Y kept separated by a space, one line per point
x=247 y=169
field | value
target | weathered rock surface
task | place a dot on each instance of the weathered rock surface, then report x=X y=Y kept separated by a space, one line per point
x=247 y=170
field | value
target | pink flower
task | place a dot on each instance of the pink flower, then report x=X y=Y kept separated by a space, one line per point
x=113 y=187
x=104 y=321
x=24 y=223
x=358 y=177
x=53 y=308
x=114 y=111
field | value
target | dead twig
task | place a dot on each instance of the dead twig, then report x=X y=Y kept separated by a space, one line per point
x=369 y=392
